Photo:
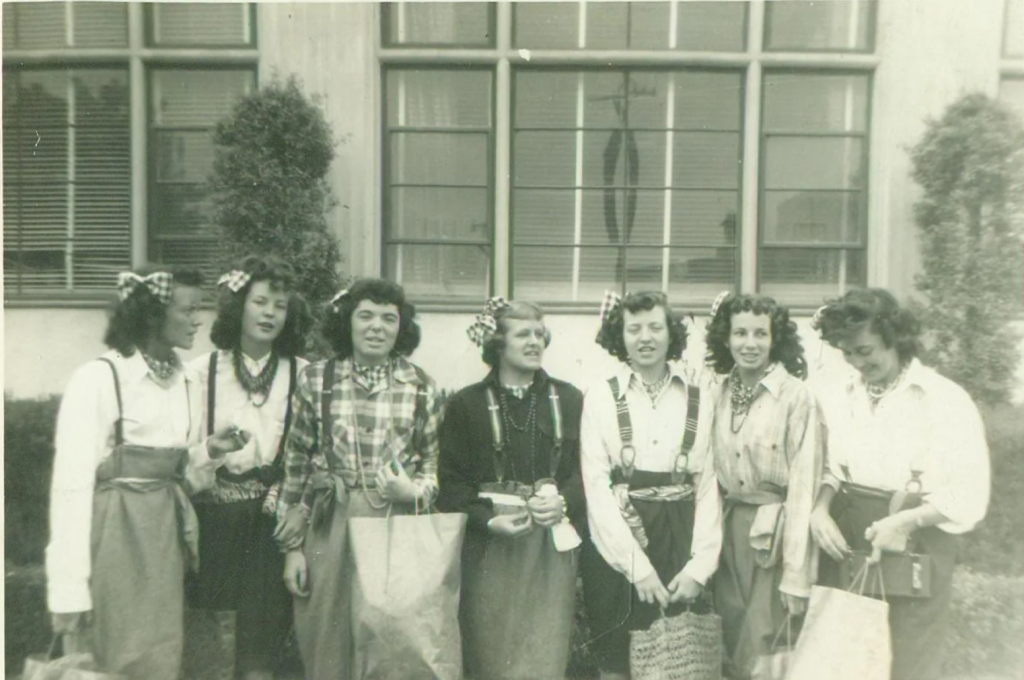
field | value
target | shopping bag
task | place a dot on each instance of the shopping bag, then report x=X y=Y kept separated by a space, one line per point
x=683 y=647
x=76 y=666
x=774 y=664
x=845 y=636
x=405 y=597
x=209 y=650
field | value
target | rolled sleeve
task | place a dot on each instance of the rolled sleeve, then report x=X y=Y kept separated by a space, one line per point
x=804 y=450
x=964 y=474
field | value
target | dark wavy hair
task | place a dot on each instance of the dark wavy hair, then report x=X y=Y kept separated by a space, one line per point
x=337 y=322
x=136 y=319
x=875 y=309
x=494 y=345
x=227 y=327
x=611 y=334
x=785 y=349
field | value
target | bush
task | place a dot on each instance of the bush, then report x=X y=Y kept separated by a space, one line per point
x=970 y=164
x=28 y=465
x=987 y=625
x=26 y=622
x=269 y=178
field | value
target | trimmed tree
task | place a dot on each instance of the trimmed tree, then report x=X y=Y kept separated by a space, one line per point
x=970 y=164
x=270 y=185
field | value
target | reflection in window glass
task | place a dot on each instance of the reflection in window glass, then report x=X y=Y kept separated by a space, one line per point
x=201 y=24
x=185 y=106
x=438 y=23
x=813 y=224
x=835 y=25
x=45 y=25
x=437 y=200
x=624 y=178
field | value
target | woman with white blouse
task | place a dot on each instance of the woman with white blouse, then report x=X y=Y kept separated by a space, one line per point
x=907 y=469
x=248 y=382
x=652 y=497
x=129 y=439
x=768 y=459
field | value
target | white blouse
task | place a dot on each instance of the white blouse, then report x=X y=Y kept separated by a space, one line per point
x=657 y=437
x=153 y=415
x=927 y=423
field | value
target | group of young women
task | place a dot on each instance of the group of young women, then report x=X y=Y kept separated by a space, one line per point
x=663 y=490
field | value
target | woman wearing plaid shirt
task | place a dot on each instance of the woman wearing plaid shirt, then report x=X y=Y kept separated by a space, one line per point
x=374 y=453
x=768 y=457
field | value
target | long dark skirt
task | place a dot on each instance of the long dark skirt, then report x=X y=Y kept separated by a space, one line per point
x=518 y=598
x=918 y=626
x=241 y=570
x=746 y=595
x=612 y=606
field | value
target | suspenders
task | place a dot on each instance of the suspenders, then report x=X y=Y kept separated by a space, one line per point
x=682 y=461
x=498 y=436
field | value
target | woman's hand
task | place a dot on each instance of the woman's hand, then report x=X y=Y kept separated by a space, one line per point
x=510 y=525
x=827 y=535
x=296 y=575
x=794 y=604
x=683 y=588
x=651 y=590
x=291 y=528
x=225 y=441
x=397 y=488
x=546 y=511
x=887 y=535
x=67 y=623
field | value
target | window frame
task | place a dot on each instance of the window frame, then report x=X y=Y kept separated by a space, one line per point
x=870 y=43
x=755 y=59
x=150 y=42
x=387 y=8
x=137 y=58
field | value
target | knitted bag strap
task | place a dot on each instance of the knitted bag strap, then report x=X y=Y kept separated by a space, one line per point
x=292 y=371
x=325 y=405
x=119 y=423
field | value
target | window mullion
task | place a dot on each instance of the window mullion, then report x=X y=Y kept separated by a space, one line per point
x=750 y=179
x=501 y=233
x=69 y=243
x=139 y=145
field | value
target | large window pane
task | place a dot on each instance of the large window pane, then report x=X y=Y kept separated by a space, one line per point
x=834 y=25
x=705 y=26
x=608 y=163
x=202 y=24
x=438 y=182
x=467 y=24
x=80 y=25
x=67 y=179
x=1011 y=93
x=185 y=107
x=814 y=179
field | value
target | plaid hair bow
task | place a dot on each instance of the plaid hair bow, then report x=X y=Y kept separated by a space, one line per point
x=486 y=321
x=718 y=302
x=235 y=280
x=158 y=283
x=610 y=302
x=816 y=319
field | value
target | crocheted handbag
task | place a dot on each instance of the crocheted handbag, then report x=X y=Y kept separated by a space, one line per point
x=684 y=647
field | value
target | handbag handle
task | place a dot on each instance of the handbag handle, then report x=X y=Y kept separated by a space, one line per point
x=787 y=628
x=861 y=578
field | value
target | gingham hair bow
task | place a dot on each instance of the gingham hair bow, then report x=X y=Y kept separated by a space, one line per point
x=158 y=283
x=486 y=321
x=235 y=280
x=718 y=302
x=818 y=313
x=608 y=304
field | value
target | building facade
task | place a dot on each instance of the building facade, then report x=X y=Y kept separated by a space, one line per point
x=541 y=151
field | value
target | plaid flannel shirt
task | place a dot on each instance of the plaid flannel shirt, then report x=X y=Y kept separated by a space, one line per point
x=381 y=419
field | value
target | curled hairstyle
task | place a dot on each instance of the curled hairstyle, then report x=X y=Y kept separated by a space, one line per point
x=875 y=309
x=227 y=328
x=785 y=349
x=141 y=316
x=494 y=345
x=611 y=334
x=337 y=323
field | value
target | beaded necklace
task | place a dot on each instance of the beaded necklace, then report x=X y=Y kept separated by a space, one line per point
x=876 y=392
x=529 y=428
x=259 y=385
x=654 y=389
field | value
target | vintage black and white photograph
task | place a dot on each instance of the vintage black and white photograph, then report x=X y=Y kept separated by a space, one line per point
x=513 y=340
